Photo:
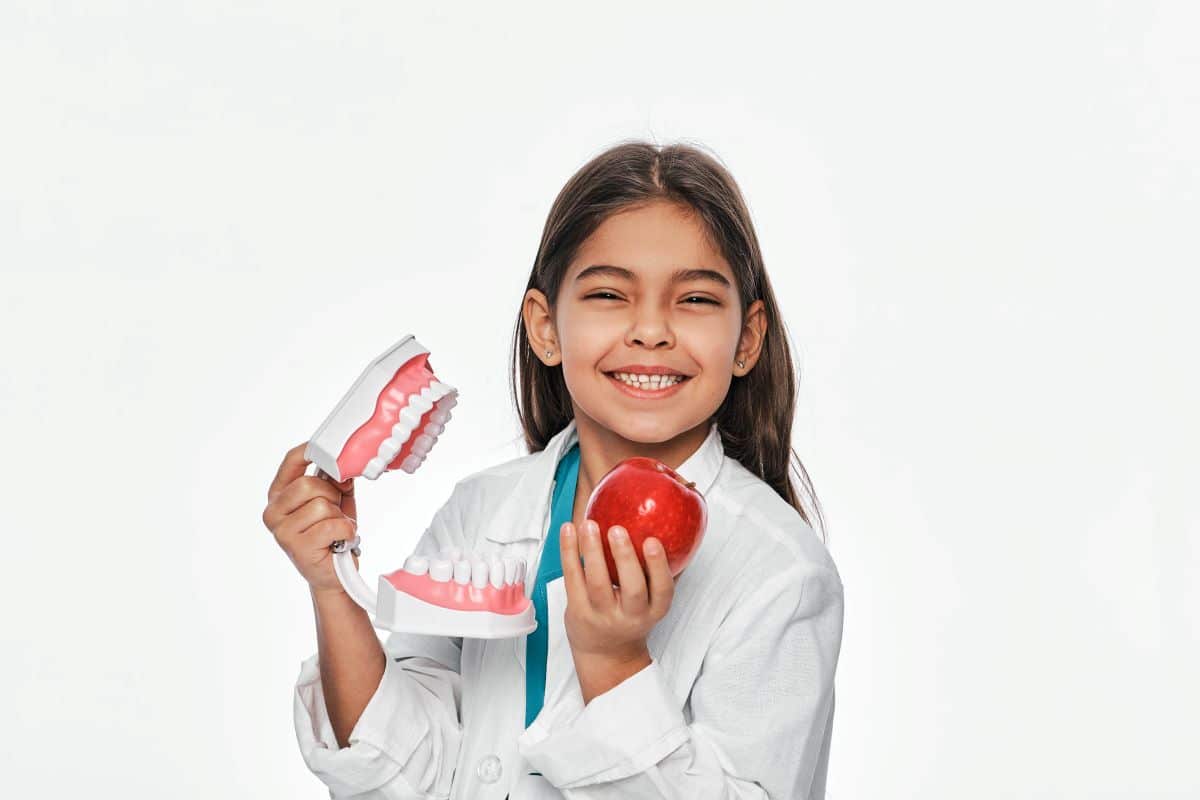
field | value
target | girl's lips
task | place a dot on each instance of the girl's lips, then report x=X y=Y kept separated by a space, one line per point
x=646 y=394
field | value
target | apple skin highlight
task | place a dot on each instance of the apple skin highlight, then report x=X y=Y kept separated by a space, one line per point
x=649 y=499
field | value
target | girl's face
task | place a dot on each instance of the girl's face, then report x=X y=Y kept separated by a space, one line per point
x=647 y=289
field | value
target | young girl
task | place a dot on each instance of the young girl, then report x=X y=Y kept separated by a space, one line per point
x=718 y=683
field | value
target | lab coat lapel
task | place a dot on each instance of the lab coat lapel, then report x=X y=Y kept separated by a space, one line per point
x=522 y=515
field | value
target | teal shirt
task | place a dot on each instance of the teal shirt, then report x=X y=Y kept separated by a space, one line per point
x=549 y=568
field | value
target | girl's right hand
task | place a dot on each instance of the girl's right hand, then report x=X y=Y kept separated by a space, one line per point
x=307 y=514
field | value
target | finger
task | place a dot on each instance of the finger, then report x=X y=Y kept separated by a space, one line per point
x=662 y=585
x=316 y=539
x=633 y=593
x=293 y=465
x=300 y=521
x=568 y=547
x=346 y=488
x=301 y=491
x=595 y=570
x=349 y=504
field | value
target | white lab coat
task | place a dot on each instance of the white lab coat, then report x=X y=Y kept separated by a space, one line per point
x=738 y=702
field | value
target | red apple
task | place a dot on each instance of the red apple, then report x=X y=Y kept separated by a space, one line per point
x=647 y=498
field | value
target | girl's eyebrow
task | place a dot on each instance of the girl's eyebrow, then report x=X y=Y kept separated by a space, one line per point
x=678 y=276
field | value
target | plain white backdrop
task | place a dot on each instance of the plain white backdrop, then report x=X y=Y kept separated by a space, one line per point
x=980 y=221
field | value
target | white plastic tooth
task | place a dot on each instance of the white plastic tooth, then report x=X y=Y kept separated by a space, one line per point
x=496 y=573
x=451 y=553
x=410 y=417
x=479 y=574
x=510 y=571
x=440 y=415
x=420 y=403
x=462 y=572
x=434 y=429
x=374 y=468
x=422 y=444
x=389 y=448
x=402 y=429
x=448 y=402
x=440 y=570
x=417 y=565
x=520 y=571
x=410 y=463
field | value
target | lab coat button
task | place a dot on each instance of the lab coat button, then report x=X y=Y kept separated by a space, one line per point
x=489 y=769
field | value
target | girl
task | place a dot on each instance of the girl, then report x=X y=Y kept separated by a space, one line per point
x=718 y=683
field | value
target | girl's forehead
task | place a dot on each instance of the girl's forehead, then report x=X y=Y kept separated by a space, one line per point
x=659 y=226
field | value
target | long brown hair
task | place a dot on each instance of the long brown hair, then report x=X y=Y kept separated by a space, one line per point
x=755 y=419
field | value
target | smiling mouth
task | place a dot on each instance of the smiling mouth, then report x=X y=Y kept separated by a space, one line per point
x=657 y=384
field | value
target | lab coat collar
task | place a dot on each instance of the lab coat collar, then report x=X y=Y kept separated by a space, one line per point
x=524 y=510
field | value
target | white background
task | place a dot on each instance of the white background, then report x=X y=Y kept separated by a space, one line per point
x=981 y=223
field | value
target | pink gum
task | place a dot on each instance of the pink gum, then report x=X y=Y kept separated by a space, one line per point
x=510 y=599
x=363 y=445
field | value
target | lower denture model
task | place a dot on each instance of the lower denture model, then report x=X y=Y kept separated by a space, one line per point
x=370 y=432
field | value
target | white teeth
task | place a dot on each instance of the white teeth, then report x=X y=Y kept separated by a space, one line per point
x=452 y=553
x=479 y=574
x=403 y=427
x=374 y=468
x=407 y=420
x=410 y=416
x=520 y=571
x=440 y=569
x=417 y=565
x=462 y=572
x=496 y=573
x=422 y=444
x=389 y=448
x=647 y=381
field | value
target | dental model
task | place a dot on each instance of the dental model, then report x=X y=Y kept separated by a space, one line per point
x=390 y=419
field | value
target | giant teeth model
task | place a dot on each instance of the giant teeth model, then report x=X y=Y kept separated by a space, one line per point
x=370 y=432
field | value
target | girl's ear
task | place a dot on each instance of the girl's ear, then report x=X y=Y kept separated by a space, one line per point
x=754 y=333
x=539 y=326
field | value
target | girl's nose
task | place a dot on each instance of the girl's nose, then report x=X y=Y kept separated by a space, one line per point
x=650 y=331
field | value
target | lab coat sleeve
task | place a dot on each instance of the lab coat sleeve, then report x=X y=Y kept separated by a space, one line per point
x=406 y=741
x=762 y=710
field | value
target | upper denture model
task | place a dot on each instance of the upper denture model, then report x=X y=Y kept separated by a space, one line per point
x=390 y=419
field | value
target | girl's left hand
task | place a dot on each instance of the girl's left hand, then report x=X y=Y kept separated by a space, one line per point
x=602 y=620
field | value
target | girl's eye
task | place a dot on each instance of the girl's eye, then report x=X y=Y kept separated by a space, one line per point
x=606 y=295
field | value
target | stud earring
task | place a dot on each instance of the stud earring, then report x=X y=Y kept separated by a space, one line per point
x=741 y=363
x=548 y=352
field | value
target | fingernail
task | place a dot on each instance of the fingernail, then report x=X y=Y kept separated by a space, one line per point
x=593 y=526
x=568 y=531
x=653 y=548
x=618 y=535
